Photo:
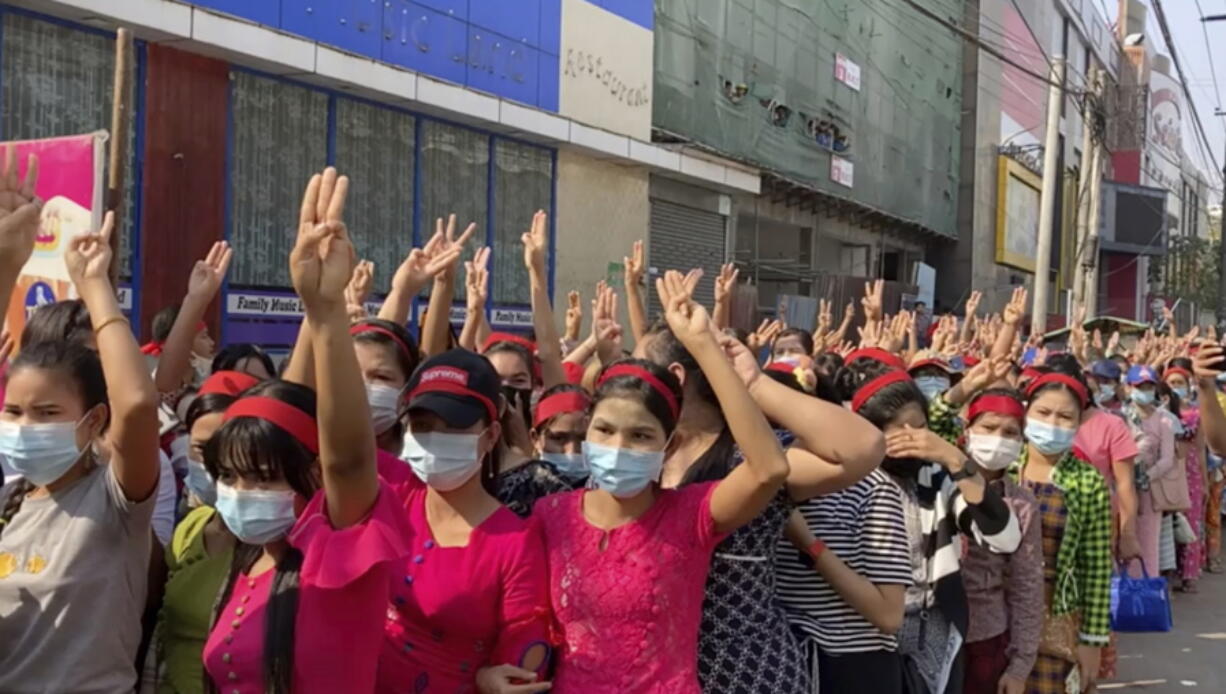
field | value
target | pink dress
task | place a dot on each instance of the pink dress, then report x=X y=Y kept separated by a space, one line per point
x=456 y=610
x=629 y=613
x=1191 y=556
x=342 y=600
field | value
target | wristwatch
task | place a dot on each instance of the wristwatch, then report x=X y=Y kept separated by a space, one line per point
x=969 y=469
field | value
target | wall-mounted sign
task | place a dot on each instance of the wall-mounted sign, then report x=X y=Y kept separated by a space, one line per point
x=1017 y=214
x=846 y=71
x=842 y=171
x=605 y=70
x=274 y=305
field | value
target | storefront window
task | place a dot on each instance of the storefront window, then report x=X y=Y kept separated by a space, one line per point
x=523 y=184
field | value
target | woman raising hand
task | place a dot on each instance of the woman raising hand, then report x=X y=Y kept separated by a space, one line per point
x=76 y=529
x=313 y=565
x=628 y=559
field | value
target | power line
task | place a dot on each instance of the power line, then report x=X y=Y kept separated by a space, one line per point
x=1183 y=81
x=990 y=50
x=1209 y=52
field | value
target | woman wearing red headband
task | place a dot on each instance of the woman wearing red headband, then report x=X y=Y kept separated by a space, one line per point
x=944 y=495
x=312 y=565
x=1004 y=591
x=1075 y=522
x=1178 y=375
x=201 y=550
x=559 y=427
x=1190 y=452
x=628 y=560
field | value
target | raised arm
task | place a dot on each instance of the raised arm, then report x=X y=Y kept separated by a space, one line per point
x=477 y=287
x=968 y=324
x=1002 y=348
x=19 y=210
x=133 y=400
x=202 y=287
x=724 y=286
x=435 y=332
x=1212 y=419
x=548 y=344
x=635 y=270
x=749 y=488
x=321 y=265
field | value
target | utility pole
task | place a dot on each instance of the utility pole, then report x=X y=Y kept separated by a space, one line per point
x=1094 y=223
x=1047 y=203
x=1083 y=202
x=1221 y=266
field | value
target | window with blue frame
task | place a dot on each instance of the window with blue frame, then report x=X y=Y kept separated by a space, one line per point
x=279 y=137
x=374 y=147
x=57 y=80
x=405 y=172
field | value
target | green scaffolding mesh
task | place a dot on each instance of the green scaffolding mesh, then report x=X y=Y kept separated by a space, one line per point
x=755 y=80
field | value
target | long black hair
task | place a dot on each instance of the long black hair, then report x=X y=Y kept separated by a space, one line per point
x=256 y=448
x=66 y=320
x=163 y=321
x=885 y=404
x=73 y=362
x=229 y=357
x=634 y=388
x=663 y=348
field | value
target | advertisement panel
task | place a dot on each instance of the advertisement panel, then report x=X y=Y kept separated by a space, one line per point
x=605 y=70
x=70 y=184
x=1017 y=214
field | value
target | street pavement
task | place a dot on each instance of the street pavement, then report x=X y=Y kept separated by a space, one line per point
x=1191 y=658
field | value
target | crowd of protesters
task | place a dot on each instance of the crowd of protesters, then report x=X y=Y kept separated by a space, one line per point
x=929 y=505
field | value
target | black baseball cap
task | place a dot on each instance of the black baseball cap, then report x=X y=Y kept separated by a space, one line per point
x=459 y=386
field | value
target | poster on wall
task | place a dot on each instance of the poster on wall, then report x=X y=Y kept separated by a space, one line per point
x=846 y=71
x=1018 y=191
x=70 y=184
x=605 y=70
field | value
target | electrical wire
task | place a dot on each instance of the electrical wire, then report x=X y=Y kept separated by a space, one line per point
x=1209 y=52
x=1183 y=82
x=991 y=50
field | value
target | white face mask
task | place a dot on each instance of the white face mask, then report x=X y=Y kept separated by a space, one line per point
x=41 y=453
x=992 y=452
x=384 y=406
x=441 y=460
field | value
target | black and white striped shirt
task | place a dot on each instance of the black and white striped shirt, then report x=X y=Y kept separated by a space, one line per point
x=864 y=526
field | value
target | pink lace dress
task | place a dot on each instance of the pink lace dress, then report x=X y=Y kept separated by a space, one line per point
x=628 y=601
x=1191 y=556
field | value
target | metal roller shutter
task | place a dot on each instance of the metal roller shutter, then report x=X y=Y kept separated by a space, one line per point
x=683 y=238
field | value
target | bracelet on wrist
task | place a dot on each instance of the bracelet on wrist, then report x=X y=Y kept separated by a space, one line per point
x=816 y=549
x=113 y=319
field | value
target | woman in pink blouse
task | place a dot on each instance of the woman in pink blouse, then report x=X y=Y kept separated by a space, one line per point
x=470 y=606
x=628 y=560
x=302 y=609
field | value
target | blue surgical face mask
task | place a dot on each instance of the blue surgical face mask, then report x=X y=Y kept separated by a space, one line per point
x=41 y=453
x=1144 y=398
x=256 y=516
x=1182 y=393
x=200 y=483
x=442 y=460
x=622 y=472
x=570 y=465
x=1048 y=438
x=1105 y=394
x=932 y=386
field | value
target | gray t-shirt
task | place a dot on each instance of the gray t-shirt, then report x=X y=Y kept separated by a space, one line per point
x=73 y=569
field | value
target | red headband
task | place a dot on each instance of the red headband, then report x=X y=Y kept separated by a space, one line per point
x=871 y=388
x=1177 y=370
x=645 y=376
x=442 y=385
x=560 y=403
x=782 y=367
x=368 y=328
x=1062 y=379
x=294 y=421
x=227 y=383
x=878 y=354
x=495 y=338
x=996 y=404
x=153 y=348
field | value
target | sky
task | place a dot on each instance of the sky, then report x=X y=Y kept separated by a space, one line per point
x=1189 y=34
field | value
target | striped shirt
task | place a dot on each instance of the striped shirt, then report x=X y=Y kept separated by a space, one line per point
x=864 y=526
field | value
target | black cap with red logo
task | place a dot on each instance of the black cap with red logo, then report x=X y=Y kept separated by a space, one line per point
x=459 y=386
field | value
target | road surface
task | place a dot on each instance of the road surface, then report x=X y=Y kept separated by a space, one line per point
x=1191 y=658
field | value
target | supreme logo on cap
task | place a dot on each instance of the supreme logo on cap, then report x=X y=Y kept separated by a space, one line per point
x=445 y=373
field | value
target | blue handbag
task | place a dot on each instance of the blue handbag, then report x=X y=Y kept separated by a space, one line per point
x=1139 y=604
